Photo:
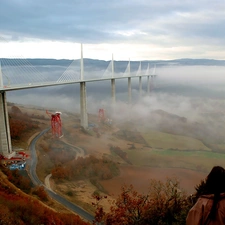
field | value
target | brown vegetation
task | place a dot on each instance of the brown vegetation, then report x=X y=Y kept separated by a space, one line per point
x=164 y=204
x=133 y=136
x=16 y=207
x=89 y=167
x=20 y=123
x=22 y=182
x=117 y=150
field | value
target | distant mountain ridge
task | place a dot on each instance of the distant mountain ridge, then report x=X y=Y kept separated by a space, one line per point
x=103 y=63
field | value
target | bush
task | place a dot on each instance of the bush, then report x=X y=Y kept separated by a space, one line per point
x=41 y=193
x=164 y=204
x=69 y=193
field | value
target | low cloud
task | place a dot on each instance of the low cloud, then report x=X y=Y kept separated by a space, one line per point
x=186 y=98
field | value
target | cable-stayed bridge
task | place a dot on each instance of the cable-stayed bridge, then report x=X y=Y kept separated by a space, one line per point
x=17 y=74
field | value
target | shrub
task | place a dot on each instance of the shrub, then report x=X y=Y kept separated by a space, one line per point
x=164 y=204
x=41 y=193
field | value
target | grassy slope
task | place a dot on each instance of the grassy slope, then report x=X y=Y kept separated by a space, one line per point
x=194 y=160
x=175 y=151
x=162 y=140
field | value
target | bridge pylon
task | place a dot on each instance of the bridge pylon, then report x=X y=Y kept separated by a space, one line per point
x=1 y=78
x=83 y=98
x=113 y=87
x=5 y=137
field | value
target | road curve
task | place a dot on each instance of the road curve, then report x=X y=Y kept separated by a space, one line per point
x=47 y=181
x=33 y=163
x=79 y=153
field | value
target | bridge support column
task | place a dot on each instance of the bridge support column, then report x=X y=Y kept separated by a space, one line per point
x=113 y=92
x=148 y=84
x=5 y=137
x=83 y=106
x=140 y=86
x=152 y=83
x=129 y=91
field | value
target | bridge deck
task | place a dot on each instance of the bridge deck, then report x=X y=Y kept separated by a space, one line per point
x=47 y=84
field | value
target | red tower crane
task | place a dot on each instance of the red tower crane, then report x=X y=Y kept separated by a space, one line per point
x=56 y=124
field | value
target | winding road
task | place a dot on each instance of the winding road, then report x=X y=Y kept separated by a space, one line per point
x=33 y=163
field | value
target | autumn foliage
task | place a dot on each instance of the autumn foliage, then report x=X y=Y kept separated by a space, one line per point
x=164 y=204
x=89 y=167
x=22 y=182
x=117 y=150
x=19 y=122
x=40 y=192
x=18 y=208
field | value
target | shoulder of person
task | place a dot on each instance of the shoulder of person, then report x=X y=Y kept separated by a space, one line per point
x=211 y=196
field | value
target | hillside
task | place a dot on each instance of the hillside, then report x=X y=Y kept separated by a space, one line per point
x=104 y=64
x=16 y=207
x=98 y=161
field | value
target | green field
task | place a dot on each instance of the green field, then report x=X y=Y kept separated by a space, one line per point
x=194 y=160
x=161 y=140
x=219 y=147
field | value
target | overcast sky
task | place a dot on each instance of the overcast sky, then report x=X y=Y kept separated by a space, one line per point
x=135 y=29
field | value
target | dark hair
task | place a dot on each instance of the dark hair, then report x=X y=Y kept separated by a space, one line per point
x=215 y=184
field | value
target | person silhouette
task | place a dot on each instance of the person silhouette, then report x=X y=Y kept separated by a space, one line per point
x=210 y=206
